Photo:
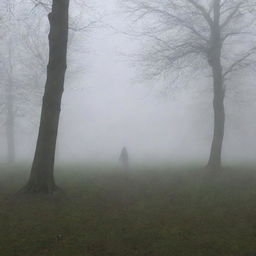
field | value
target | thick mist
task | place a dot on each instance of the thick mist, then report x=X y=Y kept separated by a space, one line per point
x=127 y=127
x=107 y=105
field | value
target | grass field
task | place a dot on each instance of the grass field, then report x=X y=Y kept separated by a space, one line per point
x=144 y=213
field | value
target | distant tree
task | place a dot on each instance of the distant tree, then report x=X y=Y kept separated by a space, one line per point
x=10 y=107
x=16 y=84
x=42 y=173
x=7 y=74
x=192 y=34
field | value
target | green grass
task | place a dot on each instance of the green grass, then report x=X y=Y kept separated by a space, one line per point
x=145 y=213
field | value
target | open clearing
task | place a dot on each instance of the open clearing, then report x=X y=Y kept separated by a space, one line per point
x=143 y=213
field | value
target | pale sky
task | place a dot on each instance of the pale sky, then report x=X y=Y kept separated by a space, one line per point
x=107 y=107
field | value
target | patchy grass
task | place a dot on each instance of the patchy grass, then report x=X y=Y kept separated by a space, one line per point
x=144 y=213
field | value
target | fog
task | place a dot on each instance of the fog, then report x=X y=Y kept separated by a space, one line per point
x=127 y=127
x=107 y=104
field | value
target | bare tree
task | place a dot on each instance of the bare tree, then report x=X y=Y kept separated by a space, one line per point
x=10 y=108
x=192 y=34
x=15 y=82
x=42 y=173
x=8 y=78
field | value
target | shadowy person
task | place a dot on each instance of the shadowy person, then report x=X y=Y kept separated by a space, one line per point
x=124 y=159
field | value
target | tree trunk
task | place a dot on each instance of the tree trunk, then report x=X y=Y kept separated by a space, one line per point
x=10 y=126
x=219 y=121
x=10 y=110
x=214 y=59
x=42 y=173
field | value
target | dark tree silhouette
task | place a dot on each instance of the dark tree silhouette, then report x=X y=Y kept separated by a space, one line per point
x=42 y=173
x=187 y=33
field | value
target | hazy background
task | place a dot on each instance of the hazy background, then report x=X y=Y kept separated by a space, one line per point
x=107 y=105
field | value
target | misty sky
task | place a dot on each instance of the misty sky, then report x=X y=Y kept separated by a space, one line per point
x=108 y=107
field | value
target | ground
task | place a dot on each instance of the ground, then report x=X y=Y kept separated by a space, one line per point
x=147 y=212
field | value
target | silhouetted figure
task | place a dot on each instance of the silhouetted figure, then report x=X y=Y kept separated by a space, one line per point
x=124 y=159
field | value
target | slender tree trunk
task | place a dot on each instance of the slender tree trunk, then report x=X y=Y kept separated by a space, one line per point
x=10 y=110
x=219 y=120
x=42 y=173
x=10 y=126
x=214 y=58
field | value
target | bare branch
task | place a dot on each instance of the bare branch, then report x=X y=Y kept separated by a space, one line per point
x=189 y=33
x=231 y=15
x=204 y=12
x=240 y=61
x=76 y=28
x=44 y=4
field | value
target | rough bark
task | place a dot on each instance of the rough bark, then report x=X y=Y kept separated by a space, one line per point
x=42 y=173
x=214 y=58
